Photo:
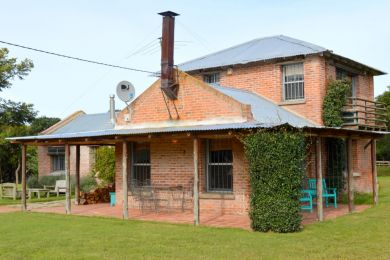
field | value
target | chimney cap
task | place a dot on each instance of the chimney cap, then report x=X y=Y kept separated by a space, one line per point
x=168 y=13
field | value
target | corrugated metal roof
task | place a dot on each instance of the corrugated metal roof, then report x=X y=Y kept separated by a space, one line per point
x=86 y=123
x=114 y=132
x=263 y=110
x=256 y=50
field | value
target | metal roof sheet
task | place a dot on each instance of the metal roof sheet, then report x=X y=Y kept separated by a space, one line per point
x=86 y=123
x=114 y=132
x=256 y=50
x=263 y=110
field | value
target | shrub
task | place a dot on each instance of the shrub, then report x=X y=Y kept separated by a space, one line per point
x=105 y=164
x=32 y=182
x=88 y=183
x=334 y=101
x=360 y=198
x=277 y=168
x=50 y=180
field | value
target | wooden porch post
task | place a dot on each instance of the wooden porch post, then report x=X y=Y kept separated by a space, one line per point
x=320 y=210
x=196 y=183
x=374 y=172
x=351 y=206
x=24 y=183
x=67 y=179
x=77 y=188
x=125 y=206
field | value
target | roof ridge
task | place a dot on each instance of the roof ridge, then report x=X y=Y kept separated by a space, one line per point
x=229 y=48
x=299 y=42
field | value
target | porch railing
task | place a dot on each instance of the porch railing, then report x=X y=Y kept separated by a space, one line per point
x=365 y=114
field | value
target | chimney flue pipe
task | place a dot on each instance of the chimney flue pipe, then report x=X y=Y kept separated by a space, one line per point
x=112 y=109
x=168 y=84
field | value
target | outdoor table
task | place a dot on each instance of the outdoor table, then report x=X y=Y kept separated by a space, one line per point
x=38 y=192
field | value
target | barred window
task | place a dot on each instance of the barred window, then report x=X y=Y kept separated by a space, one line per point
x=211 y=78
x=141 y=164
x=57 y=163
x=293 y=82
x=219 y=170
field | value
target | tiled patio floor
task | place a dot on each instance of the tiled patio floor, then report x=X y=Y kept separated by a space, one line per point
x=206 y=218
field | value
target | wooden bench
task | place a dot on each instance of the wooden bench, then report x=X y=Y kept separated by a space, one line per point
x=9 y=190
x=60 y=187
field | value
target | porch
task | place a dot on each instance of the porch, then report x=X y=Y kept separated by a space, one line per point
x=212 y=219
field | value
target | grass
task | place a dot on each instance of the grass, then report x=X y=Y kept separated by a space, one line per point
x=43 y=236
x=383 y=170
x=9 y=201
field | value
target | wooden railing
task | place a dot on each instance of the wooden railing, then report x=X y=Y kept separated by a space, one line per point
x=383 y=163
x=365 y=114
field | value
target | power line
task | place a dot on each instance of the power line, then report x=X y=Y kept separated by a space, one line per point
x=79 y=59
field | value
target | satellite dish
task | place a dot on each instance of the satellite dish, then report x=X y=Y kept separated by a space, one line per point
x=125 y=91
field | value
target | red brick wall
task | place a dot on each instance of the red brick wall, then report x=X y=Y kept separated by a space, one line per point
x=86 y=161
x=196 y=101
x=172 y=164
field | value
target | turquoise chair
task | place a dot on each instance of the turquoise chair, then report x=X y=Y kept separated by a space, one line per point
x=326 y=192
x=112 y=199
x=307 y=200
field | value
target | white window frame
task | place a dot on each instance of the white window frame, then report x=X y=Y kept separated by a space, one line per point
x=215 y=75
x=294 y=93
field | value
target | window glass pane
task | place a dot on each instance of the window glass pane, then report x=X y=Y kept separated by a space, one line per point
x=141 y=172
x=58 y=162
x=220 y=165
x=211 y=78
x=293 y=84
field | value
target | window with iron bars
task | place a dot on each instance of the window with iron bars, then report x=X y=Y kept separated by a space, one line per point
x=141 y=165
x=212 y=78
x=293 y=82
x=57 y=163
x=219 y=165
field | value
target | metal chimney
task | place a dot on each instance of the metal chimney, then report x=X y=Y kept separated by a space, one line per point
x=168 y=84
x=112 y=109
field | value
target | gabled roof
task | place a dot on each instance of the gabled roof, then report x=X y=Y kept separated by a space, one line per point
x=265 y=111
x=86 y=123
x=263 y=49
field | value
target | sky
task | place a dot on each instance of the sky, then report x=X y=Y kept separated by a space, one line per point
x=126 y=33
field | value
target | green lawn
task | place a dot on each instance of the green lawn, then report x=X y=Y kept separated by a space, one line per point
x=34 y=235
x=383 y=171
x=8 y=201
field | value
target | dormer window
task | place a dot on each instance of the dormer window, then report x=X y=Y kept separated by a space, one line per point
x=211 y=78
x=293 y=82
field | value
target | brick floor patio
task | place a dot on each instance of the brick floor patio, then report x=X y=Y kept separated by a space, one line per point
x=206 y=218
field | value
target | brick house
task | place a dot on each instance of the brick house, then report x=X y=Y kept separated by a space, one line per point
x=183 y=130
x=51 y=159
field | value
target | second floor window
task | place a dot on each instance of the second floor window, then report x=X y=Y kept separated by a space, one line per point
x=212 y=78
x=293 y=82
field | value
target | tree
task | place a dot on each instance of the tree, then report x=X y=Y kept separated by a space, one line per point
x=9 y=69
x=15 y=117
x=41 y=123
x=383 y=145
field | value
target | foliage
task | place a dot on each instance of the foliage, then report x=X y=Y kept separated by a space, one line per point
x=277 y=168
x=105 y=164
x=88 y=183
x=360 y=198
x=9 y=68
x=364 y=235
x=383 y=145
x=38 y=182
x=41 y=123
x=334 y=101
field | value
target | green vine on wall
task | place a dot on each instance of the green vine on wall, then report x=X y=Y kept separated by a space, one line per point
x=277 y=168
x=334 y=101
